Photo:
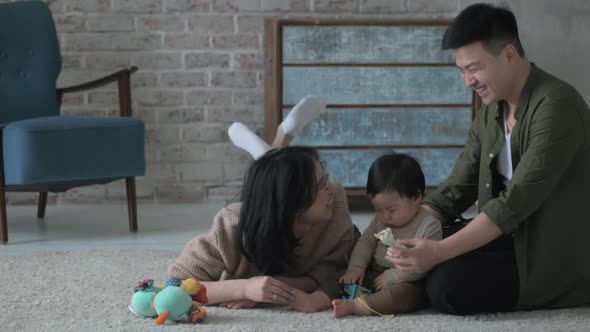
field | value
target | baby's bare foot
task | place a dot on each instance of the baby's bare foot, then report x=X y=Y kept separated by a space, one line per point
x=343 y=308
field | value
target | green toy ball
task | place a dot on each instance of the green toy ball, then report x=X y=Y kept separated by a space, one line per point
x=141 y=303
x=171 y=303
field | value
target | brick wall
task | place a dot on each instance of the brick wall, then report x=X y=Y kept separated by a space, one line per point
x=200 y=67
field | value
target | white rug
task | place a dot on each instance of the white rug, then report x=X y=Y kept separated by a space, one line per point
x=90 y=291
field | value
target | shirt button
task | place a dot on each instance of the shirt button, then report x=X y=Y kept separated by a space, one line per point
x=487 y=185
x=491 y=155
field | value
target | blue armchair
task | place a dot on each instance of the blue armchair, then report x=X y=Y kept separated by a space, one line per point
x=41 y=150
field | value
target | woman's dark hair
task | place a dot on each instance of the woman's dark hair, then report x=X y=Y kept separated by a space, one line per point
x=396 y=172
x=493 y=26
x=277 y=188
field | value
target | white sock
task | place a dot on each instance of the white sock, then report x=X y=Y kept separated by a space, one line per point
x=307 y=109
x=247 y=140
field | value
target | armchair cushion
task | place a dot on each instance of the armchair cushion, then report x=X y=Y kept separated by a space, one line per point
x=66 y=148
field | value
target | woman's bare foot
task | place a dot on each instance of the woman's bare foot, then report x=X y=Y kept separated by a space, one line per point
x=349 y=307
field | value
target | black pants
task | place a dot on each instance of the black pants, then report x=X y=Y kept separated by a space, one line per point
x=484 y=280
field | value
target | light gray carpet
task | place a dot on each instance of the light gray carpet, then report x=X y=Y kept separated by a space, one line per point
x=90 y=291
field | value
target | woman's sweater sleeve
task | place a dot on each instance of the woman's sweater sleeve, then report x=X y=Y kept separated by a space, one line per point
x=207 y=256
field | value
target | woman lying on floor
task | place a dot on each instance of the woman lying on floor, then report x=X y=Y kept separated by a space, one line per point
x=288 y=239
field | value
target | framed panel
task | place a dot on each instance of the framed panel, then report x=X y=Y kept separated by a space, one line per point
x=388 y=86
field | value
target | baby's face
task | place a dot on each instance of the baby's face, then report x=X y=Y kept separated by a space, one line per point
x=394 y=210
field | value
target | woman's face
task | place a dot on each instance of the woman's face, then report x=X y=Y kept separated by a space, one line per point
x=321 y=210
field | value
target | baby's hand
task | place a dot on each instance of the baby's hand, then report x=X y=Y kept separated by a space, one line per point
x=354 y=276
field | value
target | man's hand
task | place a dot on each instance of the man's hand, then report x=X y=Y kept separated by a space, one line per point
x=421 y=256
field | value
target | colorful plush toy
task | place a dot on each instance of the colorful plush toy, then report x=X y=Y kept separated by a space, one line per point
x=177 y=301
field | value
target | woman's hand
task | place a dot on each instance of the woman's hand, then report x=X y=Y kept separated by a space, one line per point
x=269 y=290
x=421 y=256
x=238 y=304
x=354 y=276
x=380 y=282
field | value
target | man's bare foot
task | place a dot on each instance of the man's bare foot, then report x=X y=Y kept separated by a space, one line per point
x=349 y=307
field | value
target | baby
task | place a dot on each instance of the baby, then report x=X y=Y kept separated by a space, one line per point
x=395 y=186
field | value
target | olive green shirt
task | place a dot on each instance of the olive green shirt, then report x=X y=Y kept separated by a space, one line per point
x=546 y=205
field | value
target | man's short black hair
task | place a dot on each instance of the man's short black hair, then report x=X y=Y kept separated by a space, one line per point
x=493 y=26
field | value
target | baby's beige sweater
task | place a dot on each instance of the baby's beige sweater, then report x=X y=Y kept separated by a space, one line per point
x=370 y=253
x=321 y=256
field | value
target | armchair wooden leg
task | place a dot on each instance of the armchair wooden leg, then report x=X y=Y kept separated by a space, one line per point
x=42 y=204
x=3 y=220
x=131 y=203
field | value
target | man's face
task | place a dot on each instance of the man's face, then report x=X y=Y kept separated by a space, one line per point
x=485 y=73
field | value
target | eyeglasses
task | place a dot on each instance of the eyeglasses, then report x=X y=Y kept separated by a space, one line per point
x=324 y=180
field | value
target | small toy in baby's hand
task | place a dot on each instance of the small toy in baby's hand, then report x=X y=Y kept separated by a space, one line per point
x=386 y=237
x=176 y=301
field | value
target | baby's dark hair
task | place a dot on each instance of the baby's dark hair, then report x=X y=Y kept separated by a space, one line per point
x=396 y=172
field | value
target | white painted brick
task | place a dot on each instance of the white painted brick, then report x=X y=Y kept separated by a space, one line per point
x=201 y=171
x=205 y=133
x=56 y=6
x=87 y=41
x=182 y=153
x=161 y=171
x=248 y=98
x=236 y=41
x=88 y=6
x=186 y=41
x=89 y=110
x=154 y=97
x=74 y=77
x=180 y=193
x=215 y=24
x=226 y=152
x=224 y=194
x=138 y=6
x=69 y=23
x=137 y=41
x=98 y=98
x=234 y=6
x=183 y=79
x=332 y=6
x=147 y=115
x=248 y=61
x=109 y=23
x=73 y=99
x=158 y=61
x=250 y=24
x=229 y=115
x=108 y=61
x=234 y=171
x=433 y=6
x=181 y=116
x=187 y=6
x=206 y=60
x=383 y=6
x=71 y=61
x=209 y=97
x=161 y=23
x=286 y=5
x=162 y=135
x=144 y=80
x=233 y=79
